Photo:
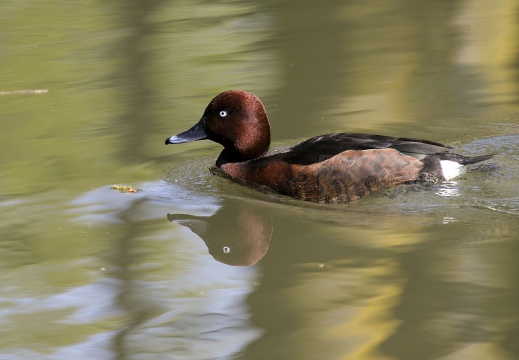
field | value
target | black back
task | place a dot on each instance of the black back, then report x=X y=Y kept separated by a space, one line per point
x=320 y=148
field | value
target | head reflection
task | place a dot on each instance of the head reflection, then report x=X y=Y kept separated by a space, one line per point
x=237 y=234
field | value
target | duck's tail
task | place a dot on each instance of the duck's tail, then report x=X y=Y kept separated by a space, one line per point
x=446 y=166
x=464 y=160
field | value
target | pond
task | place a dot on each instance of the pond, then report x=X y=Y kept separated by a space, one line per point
x=194 y=266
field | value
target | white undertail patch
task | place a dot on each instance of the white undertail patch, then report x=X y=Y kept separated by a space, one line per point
x=451 y=169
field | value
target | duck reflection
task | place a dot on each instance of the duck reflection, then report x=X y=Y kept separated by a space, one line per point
x=239 y=233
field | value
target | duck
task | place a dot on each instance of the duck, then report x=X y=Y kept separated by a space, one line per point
x=332 y=168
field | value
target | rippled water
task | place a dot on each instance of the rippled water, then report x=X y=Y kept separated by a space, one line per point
x=196 y=267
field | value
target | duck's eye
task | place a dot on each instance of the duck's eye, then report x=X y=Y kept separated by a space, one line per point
x=223 y=113
x=226 y=249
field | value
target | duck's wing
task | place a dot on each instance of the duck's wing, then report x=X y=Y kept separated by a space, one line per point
x=320 y=148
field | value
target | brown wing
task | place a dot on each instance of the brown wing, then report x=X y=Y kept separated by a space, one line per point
x=356 y=173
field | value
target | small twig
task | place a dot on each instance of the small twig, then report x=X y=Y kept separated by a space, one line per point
x=125 y=189
x=24 y=92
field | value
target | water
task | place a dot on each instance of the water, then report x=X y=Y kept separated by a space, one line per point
x=409 y=273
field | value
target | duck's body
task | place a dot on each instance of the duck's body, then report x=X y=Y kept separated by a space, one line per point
x=329 y=168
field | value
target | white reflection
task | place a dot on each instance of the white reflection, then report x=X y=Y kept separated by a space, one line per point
x=448 y=189
x=448 y=220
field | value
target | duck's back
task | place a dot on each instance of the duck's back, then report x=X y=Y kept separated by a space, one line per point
x=320 y=148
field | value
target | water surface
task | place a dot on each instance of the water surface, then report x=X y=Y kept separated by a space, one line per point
x=196 y=267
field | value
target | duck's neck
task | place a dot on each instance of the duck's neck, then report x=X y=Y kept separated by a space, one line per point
x=229 y=156
x=233 y=156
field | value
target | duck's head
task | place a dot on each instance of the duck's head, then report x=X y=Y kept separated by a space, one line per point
x=237 y=120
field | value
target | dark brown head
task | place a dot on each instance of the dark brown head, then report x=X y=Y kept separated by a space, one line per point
x=237 y=120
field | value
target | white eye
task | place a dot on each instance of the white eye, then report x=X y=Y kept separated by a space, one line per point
x=226 y=249
x=223 y=113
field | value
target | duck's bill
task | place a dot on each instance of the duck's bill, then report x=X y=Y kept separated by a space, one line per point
x=197 y=132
